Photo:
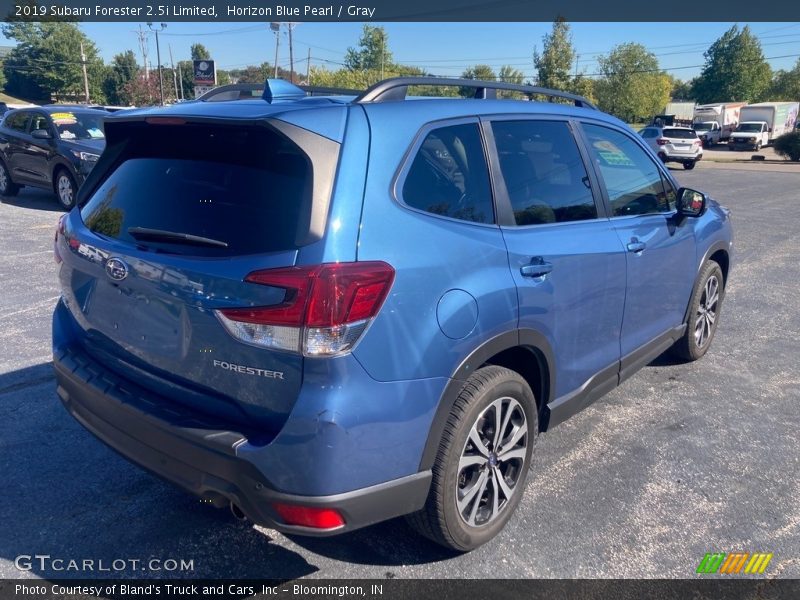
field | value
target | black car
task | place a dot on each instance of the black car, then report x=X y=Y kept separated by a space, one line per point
x=52 y=147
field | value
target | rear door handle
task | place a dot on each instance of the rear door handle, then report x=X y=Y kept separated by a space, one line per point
x=636 y=246
x=537 y=268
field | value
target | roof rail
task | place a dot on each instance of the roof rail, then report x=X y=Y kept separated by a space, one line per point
x=243 y=91
x=396 y=88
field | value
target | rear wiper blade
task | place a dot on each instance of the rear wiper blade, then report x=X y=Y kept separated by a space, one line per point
x=158 y=235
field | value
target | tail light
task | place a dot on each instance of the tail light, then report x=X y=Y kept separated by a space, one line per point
x=661 y=141
x=325 y=310
x=307 y=516
x=60 y=229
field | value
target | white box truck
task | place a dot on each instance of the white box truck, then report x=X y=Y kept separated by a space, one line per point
x=724 y=114
x=760 y=124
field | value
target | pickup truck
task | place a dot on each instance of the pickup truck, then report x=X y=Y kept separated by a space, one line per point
x=709 y=132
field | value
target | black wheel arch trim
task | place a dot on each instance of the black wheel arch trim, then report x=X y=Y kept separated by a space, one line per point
x=525 y=338
x=712 y=249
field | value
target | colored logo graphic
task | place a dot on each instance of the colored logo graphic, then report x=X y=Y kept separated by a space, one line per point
x=735 y=563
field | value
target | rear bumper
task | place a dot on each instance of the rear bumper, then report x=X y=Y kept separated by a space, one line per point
x=202 y=459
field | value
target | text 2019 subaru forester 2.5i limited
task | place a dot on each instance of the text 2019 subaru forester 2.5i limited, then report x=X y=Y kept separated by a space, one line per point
x=327 y=312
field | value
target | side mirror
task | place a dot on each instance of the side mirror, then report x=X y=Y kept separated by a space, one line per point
x=41 y=134
x=691 y=203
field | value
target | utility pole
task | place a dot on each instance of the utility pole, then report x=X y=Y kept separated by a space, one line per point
x=158 y=57
x=180 y=78
x=577 y=56
x=174 y=74
x=291 y=55
x=308 y=67
x=276 y=29
x=142 y=35
x=85 y=77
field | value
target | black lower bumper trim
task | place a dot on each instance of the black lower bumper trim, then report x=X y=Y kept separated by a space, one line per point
x=184 y=450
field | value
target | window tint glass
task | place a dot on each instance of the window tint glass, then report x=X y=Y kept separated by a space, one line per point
x=39 y=121
x=543 y=171
x=449 y=175
x=17 y=120
x=632 y=179
x=649 y=133
x=680 y=134
x=248 y=188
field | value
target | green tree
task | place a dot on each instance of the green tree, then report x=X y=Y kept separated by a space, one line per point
x=631 y=86
x=735 y=69
x=46 y=62
x=509 y=74
x=554 y=64
x=482 y=72
x=786 y=84
x=583 y=86
x=372 y=53
x=682 y=90
x=200 y=52
x=123 y=68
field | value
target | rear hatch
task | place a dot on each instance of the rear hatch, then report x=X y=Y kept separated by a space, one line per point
x=177 y=217
x=680 y=141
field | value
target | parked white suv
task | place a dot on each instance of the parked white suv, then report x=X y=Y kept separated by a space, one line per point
x=674 y=144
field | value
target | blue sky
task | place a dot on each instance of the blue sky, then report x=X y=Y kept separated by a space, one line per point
x=444 y=48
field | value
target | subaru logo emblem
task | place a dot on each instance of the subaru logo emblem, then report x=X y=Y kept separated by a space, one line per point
x=116 y=269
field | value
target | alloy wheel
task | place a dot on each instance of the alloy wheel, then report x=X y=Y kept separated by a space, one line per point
x=65 y=190
x=491 y=463
x=706 y=312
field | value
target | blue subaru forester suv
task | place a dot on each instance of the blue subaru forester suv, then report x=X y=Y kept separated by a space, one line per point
x=326 y=312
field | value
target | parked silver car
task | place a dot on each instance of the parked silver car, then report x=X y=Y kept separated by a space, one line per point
x=674 y=144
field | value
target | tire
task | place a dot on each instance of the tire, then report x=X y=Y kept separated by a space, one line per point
x=758 y=146
x=452 y=516
x=7 y=187
x=704 y=311
x=65 y=189
x=688 y=165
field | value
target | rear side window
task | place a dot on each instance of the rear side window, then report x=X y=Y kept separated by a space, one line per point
x=449 y=175
x=649 y=133
x=680 y=134
x=247 y=188
x=543 y=172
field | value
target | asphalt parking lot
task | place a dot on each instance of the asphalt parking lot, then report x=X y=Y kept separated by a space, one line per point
x=679 y=461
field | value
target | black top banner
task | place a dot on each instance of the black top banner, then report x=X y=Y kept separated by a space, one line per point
x=394 y=10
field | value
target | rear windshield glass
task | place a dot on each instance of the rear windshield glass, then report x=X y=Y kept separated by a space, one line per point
x=680 y=134
x=247 y=190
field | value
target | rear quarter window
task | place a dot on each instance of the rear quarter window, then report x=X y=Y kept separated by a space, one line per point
x=449 y=175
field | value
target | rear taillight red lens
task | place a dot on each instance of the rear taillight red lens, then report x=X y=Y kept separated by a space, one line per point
x=306 y=516
x=661 y=141
x=331 y=303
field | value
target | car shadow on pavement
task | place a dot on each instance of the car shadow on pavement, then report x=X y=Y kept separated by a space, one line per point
x=68 y=496
x=34 y=199
x=390 y=544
